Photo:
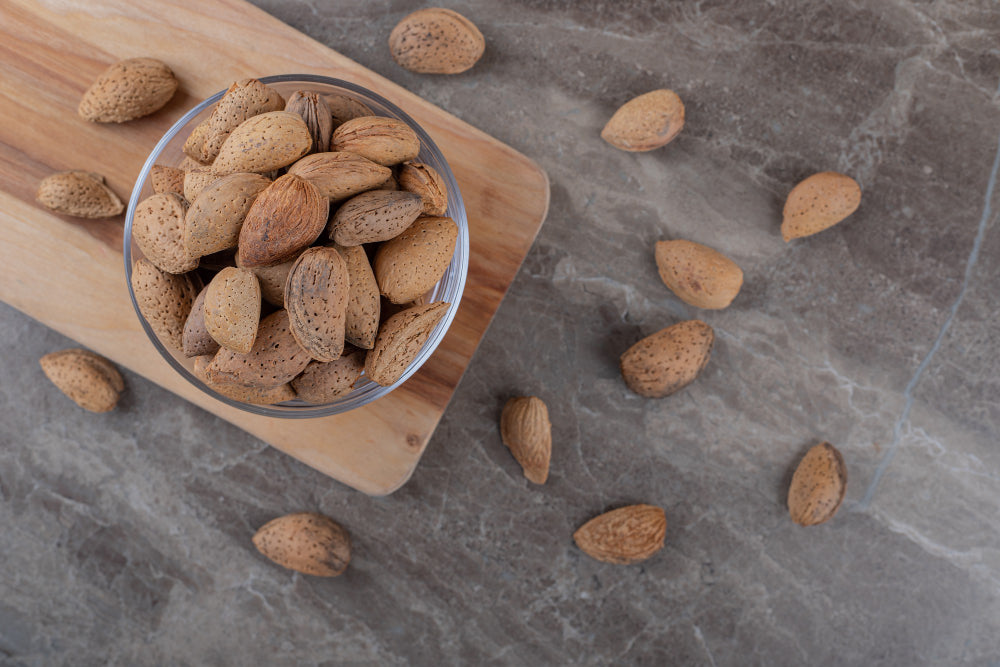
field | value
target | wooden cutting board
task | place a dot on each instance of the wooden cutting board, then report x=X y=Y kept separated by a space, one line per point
x=68 y=273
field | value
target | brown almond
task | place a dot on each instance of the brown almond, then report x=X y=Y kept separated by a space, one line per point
x=344 y=108
x=232 y=308
x=308 y=543
x=697 y=274
x=314 y=111
x=424 y=180
x=287 y=216
x=363 y=303
x=196 y=180
x=127 y=90
x=90 y=380
x=376 y=215
x=526 y=430
x=257 y=396
x=324 y=382
x=339 y=175
x=167 y=180
x=275 y=358
x=187 y=164
x=158 y=230
x=819 y=202
x=194 y=145
x=399 y=342
x=316 y=300
x=387 y=141
x=268 y=141
x=272 y=280
x=669 y=360
x=165 y=301
x=79 y=193
x=196 y=340
x=818 y=486
x=623 y=536
x=216 y=216
x=646 y=122
x=436 y=41
x=413 y=262
x=244 y=100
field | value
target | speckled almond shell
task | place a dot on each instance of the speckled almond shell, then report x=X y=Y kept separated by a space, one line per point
x=287 y=216
x=363 y=302
x=232 y=308
x=413 y=262
x=399 y=341
x=697 y=274
x=316 y=300
x=376 y=215
x=158 y=230
x=166 y=180
x=262 y=143
x=196 y=180
x=164 y=299
x=819 y=202
x=244 y=99
x=424 y=180
x=324 y=382
x=527 y=432
x=215 y=218
x=90 y=380
x=339 y=175
x=308 y=543
x=187 y=164
x=646 y=122
x=272 y=280
x=196 y=340
x=344 y=108
x=78 y=193
x=276 y=357
x=269 y=396
x=314 y=111
x=127 y=90
x=194 y=145
x=436 y=41
x=818 y=486
x=384 y=140
x=623 y=536
x=669 y=360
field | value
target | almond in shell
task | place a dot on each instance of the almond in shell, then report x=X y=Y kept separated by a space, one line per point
x=399 y=341
x=286 y=216
x=196 y=180
x=275 y=358
x=339 y=175
x=232 y=308
x=323 y=382
x=623 y=536
x=308 y=543
x=127 y=90
x=314 y=111
x=262 y=143
x=244 y=100
x=377 y=215
x=316 y=300
x=413 y=262
x=79 y=193
x=646 y=122
x=269 y=396
x=90 y=380
x=164 y=299
x=699 y=275
x=363 y=303
x=668 y=360
x=819 y=202
x=216 y=216
x=818 y=486
x=526 y=430
x=436 y=41
x=426 y=182
x=196 y=340
x=387 y=141
x=272 y=280
x=158 y=230
x=194 y=145
x=167 y=180
x=344 y=108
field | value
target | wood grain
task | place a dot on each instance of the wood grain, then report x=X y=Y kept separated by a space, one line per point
x=69 y=274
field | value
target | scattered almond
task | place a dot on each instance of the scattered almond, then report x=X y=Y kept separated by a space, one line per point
x=232 y=308
x=623 y=536
x=526 y=430
x=158 y=230
x=308 y=543
x=287 y=216
x=646 y=122
x=79 y=193
x=399 y=342
x=275 y=358
x=387 y=141
x=699 y=275
x=164 y=299
x=376 y=215
x=410 y=264
x=436 y=41
x=819 y=202
x=424 y=180
x=127 y=90
x=339 y=175
x=261 y=143
x=315 y=112
x=90 y=380
x=324 y=382
x=316 y=300
x=167 y=180
x=818 y=486
x=196 y=341
x=363 y=303
x=216 y=216
x=669 y=360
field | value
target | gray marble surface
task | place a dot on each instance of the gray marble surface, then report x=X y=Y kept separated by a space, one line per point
x=126 y=537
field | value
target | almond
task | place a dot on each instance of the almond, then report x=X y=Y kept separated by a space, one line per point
x=363 y=302
x=389 y=183
x=90 y=380
x=158 y=230
x=216 y=216
x=232 y=308
x=424 y=180
x=270 y=396
x=623 y=536
x=269 y=141
x=819 y=202
x=127 y=90
x=377 y=215
x=387 y=141
x=399 y=342
x=187 y=164
x=286 y=216
x=697 y=274
x=669 y=360
x=413 y=262
x=526 y=430
x=164 y=299
x=308 y=543
x=167 y=180
x=244 y=100
x=339 y=175
x=272 y=280
x=646 y=122
x=344 y=108
x=79 y=193
x=196 y=340
x=436 y=41
x=324 y=382
x=818 y=486
x=194 y=145
x=196 y=180
x=275 y=358
x=316 y=300
x=314 y=111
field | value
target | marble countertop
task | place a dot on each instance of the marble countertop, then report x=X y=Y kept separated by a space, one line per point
x=127 y=535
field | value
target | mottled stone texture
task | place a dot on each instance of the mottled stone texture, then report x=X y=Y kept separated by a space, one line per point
x=127 y=535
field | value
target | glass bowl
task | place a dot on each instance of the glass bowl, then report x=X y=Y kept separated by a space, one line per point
x=168 y=152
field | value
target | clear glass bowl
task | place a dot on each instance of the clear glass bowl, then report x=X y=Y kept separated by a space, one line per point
x=168 y=152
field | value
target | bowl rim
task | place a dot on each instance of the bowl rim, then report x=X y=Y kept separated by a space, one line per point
x=452 y=293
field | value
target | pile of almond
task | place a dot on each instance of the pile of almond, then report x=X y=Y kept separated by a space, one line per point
x=268 y=253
